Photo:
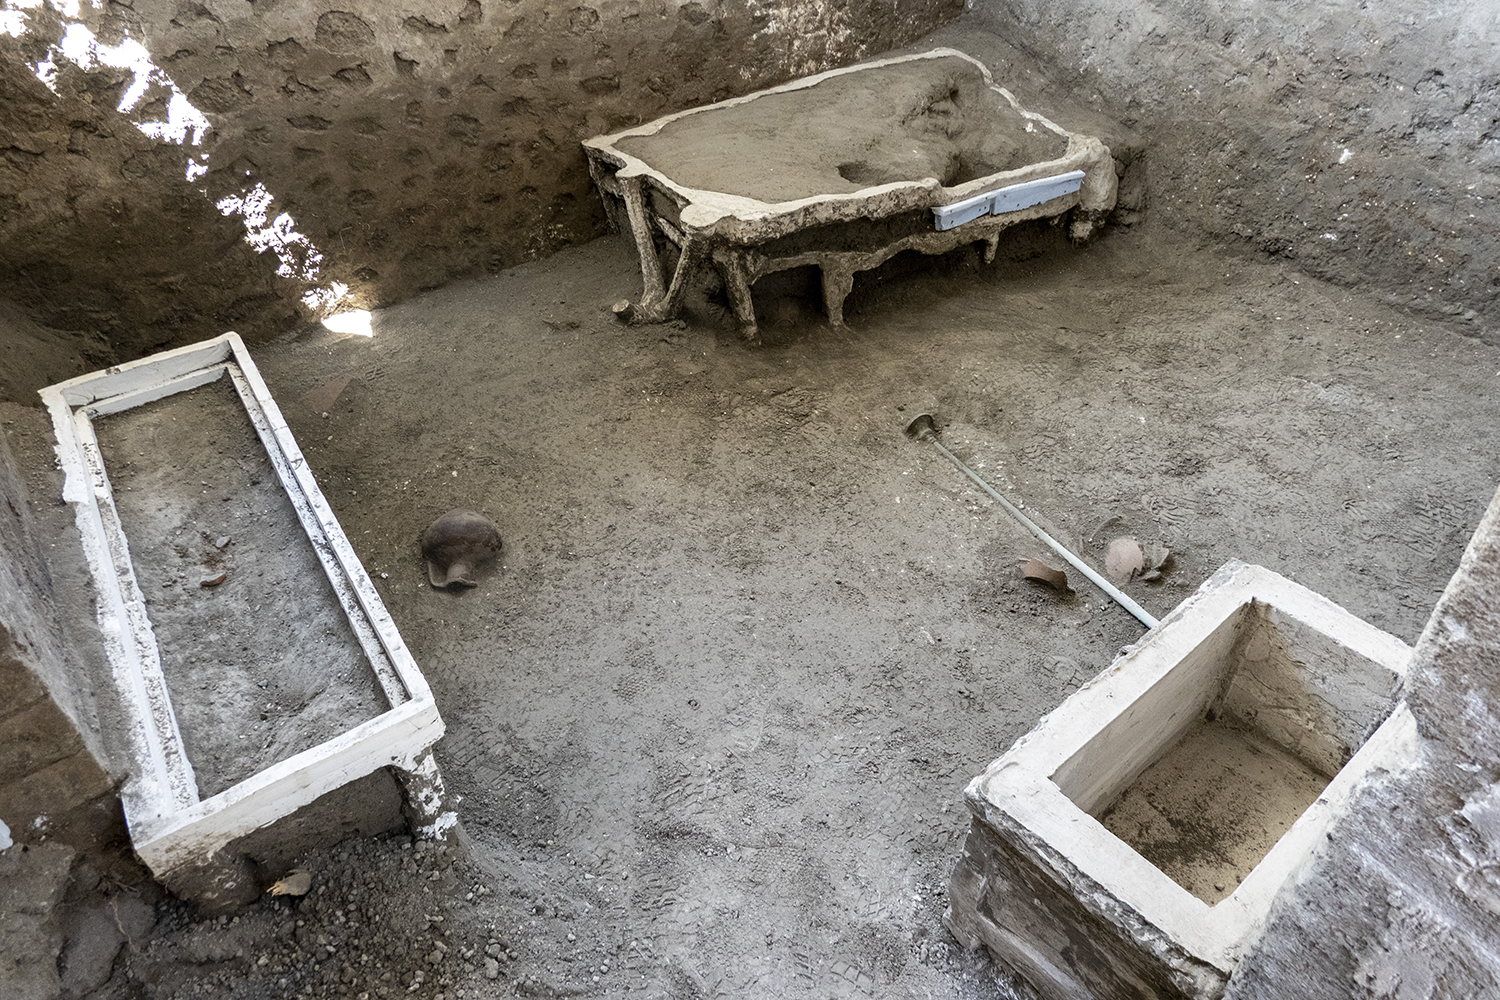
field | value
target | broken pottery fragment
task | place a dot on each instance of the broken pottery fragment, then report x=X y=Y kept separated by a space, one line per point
x=457 y=544
x=1128 y=559
x=1157 y=557
x=1124 y=560
x=1040 y=572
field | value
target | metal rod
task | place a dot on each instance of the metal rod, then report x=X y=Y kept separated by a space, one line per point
x=924 y=431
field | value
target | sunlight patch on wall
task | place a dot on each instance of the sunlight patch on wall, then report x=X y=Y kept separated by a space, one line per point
x=184 y=124
x=325 y=298
x=13 y=22
x=299 y=258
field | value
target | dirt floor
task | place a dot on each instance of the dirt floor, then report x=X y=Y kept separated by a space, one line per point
x=712 y=717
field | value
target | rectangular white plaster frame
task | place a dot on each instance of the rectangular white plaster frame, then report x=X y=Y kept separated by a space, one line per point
x=170 y=825
x=1023 y=791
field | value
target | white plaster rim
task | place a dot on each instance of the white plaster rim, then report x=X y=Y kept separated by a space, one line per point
x=1017 y=790
x=705 y=208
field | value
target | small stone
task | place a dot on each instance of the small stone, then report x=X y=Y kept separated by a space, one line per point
x=297 y=883
x=213 y=581
x=491 y=969
x=221 y=541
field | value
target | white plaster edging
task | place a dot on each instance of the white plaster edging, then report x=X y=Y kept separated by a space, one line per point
x=169 y=824
x=396 y=738
x=1018 y=796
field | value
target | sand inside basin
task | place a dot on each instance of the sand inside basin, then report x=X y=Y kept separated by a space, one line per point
x=265 y=664
x=901 y=122
x=1210 y=808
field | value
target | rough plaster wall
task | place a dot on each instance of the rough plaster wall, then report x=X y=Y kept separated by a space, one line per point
x=415 y=143
x=99 y=231
x=1403 y=900
x=1249 y=107
x=37 y=356
x=51 y=781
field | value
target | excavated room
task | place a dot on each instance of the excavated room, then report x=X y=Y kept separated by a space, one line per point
x=722 y=716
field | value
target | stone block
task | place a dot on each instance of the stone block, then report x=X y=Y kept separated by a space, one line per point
x=241 y=871
x=1401 y=899
x=94 y=937
x=195 y=785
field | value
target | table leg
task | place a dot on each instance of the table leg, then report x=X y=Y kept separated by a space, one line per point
x=665 y=307
x=838 y=282
x=640 y=227
x=428 y=810
x=736 y=275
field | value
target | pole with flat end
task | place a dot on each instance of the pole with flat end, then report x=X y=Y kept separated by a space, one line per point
x=924 y=428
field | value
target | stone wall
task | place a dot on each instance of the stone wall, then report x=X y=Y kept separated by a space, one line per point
x=99 y=231
x=1360 y=139
x=424 y=142
x=414 y=143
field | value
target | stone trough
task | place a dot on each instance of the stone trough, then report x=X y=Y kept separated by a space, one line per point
x=1131 y=844
x=255 y=666
x=841 y=171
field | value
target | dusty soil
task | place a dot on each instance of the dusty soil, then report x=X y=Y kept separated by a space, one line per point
x=263 y=664
x=1210 y=808
x=712 y=717
x=907 y=122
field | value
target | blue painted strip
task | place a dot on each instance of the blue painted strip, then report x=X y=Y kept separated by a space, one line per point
x=1011 y=198
x=1029 y=193
x=956 y=214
